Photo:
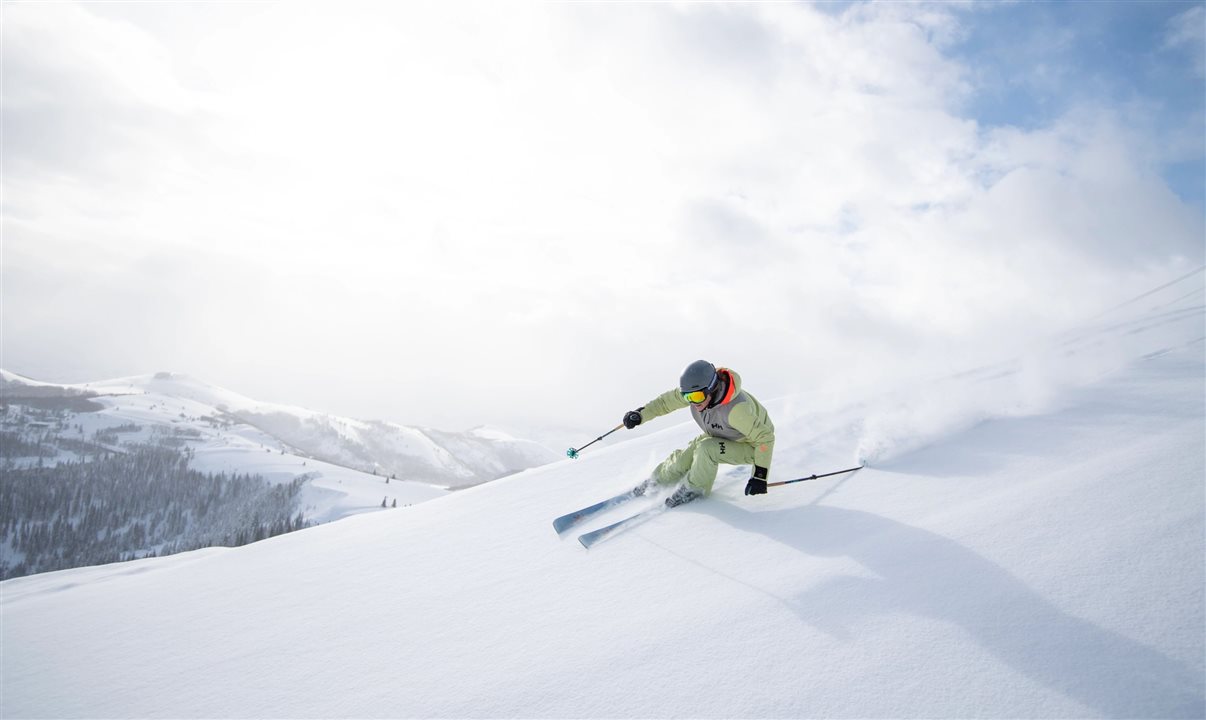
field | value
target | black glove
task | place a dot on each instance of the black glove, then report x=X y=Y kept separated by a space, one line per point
x=757 y=482
x=632 y=418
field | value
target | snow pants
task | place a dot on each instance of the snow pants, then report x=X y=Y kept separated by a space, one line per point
x=699 y=461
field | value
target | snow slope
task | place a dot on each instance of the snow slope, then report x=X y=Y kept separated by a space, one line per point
x=1033 y=547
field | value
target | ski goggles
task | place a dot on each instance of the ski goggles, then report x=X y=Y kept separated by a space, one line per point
x=695 y=397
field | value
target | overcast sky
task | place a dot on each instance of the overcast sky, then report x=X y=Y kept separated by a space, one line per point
x=536 y=214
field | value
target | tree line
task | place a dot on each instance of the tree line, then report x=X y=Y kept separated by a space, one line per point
x=144 y=503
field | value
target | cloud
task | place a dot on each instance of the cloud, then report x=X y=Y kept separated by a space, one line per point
x=83 y=94
x=1187 y=31
x=539 y=213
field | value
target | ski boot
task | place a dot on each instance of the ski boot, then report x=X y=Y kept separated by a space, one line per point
x=683 y=495
x=644 y=487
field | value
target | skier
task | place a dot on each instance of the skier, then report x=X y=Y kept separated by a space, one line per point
x=737 y=431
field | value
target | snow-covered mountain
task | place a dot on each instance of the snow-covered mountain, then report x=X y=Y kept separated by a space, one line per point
x=177 y=464
x=1028 y=541
x=189 y=406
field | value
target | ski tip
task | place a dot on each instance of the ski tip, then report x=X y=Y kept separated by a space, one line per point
x=565 y=522
x=595 y=536
x=592 y=537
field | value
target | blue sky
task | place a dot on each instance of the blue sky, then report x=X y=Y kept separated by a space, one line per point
x=353 y=206
x=1035 y=61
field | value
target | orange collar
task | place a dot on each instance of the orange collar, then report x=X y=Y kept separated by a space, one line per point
x=732 y=386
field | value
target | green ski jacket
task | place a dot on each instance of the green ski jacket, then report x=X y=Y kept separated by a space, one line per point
x=738 y=416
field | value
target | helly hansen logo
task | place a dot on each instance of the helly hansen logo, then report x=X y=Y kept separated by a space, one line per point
x=717 y=426
x=722 y=448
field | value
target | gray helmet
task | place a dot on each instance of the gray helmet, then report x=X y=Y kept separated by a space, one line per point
x=699 y=375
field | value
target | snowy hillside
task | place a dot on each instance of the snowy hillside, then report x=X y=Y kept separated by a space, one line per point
x=1027 y=542
x=175 y=464
x=231 y=432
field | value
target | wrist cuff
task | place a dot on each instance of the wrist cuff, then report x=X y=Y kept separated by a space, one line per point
x=760 y=472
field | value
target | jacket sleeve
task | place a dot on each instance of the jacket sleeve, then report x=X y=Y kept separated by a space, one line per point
x=667 y=402
x=751 y=419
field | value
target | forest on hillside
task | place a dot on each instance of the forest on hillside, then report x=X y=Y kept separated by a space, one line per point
x=139 y=503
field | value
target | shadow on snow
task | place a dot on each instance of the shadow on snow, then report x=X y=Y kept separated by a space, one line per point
x=932 y=576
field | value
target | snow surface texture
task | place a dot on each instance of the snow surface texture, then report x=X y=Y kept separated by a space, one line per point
x=1021 y=554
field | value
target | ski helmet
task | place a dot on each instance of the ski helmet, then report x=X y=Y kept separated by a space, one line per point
x=699 y=375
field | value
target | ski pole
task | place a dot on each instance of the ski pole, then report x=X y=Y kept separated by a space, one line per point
x=573 y=453
x=813 y=477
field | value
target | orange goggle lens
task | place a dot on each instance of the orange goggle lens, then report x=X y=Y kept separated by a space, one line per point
x=695 y=397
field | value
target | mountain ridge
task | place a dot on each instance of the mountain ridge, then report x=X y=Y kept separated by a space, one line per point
x=411 y=453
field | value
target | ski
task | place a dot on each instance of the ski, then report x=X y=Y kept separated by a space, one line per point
x=565 y=522
x=595 y=536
